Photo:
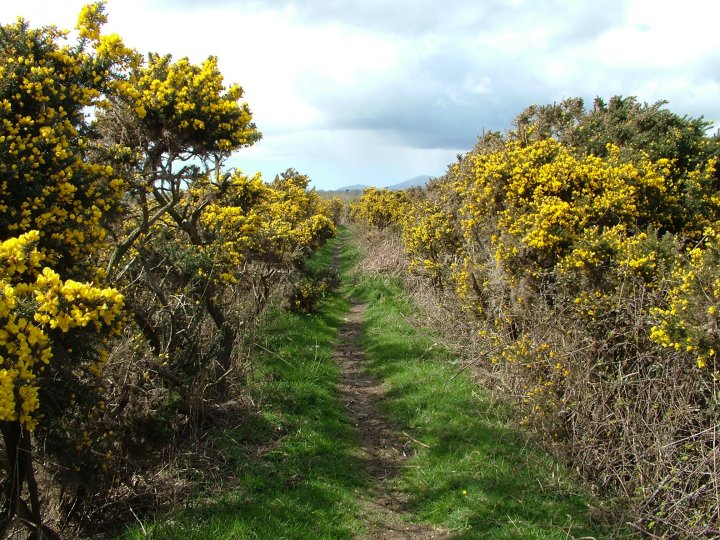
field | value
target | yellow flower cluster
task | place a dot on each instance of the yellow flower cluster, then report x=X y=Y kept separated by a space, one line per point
x=540 y=199
x=253 y=219
x=689 y=322
x=295 y=218
x=381 y=208
x=431 y=239
x=335 y=209
x=236 y=219
x=49 y=184
x=538 y=227
x=90 y=20
x=191 y=102
x=33 y=303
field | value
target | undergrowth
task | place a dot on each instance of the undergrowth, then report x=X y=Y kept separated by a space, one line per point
x=474 y=471
x=292 y=467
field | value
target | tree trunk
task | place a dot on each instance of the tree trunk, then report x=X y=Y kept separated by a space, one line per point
x=18 y=450
x=227 y=334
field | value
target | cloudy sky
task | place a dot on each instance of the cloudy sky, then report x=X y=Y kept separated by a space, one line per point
x=378 y=91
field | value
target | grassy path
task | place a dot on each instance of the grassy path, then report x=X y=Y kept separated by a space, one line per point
x=367 y=429
x=384 y=450
x=472 y=472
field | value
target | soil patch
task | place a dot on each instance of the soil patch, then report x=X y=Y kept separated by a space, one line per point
x=382 y=448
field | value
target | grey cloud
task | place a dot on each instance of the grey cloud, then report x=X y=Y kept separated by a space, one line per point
x=571 y=21
x=432 y=107
x=707 y=67
x=585 y=21
x=576 y=21
x=404 y=16
x=440 y=98
x=446 y=97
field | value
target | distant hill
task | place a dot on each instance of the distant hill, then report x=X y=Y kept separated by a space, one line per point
x=418 y=181
x=354 y=187
x=413 y=182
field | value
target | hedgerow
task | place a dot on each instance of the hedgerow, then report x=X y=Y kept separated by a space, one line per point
x=581 y=247
x=134 y=262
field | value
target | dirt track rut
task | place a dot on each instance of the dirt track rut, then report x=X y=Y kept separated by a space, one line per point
x=383 y=449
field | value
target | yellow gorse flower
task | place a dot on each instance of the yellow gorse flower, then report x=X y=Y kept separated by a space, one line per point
x=34 y=303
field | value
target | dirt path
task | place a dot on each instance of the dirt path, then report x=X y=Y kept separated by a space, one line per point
x=382 y=448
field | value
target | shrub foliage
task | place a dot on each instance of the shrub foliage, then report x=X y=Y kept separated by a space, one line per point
x=582 y=247
x=136 y=194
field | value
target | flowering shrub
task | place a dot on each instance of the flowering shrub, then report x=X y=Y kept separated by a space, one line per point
x=50 y=184
x=296 y=220
x=432 y=237
x=381 y=208
x=306 y=295
x=169 y=127
x=582 y=250
x=190 y=102
x=136 y=193
x=35 y=305
x=56 y=200
x=539 y=199
x=688 y=321
x=218 y=268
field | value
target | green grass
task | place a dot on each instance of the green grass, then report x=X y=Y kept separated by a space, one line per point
x=297 y=471
x=303 y=482
x=348 y=254
x=477 y=474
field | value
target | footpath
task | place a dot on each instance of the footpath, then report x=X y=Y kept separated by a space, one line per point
x=366 y=428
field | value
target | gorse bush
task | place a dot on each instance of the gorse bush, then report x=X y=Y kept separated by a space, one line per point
x=380 y=207
x=582 y=247
x=135 y=194
x=57 y=202
x=202 y=249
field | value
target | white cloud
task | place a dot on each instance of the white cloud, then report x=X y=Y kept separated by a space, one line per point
x=381 y=91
